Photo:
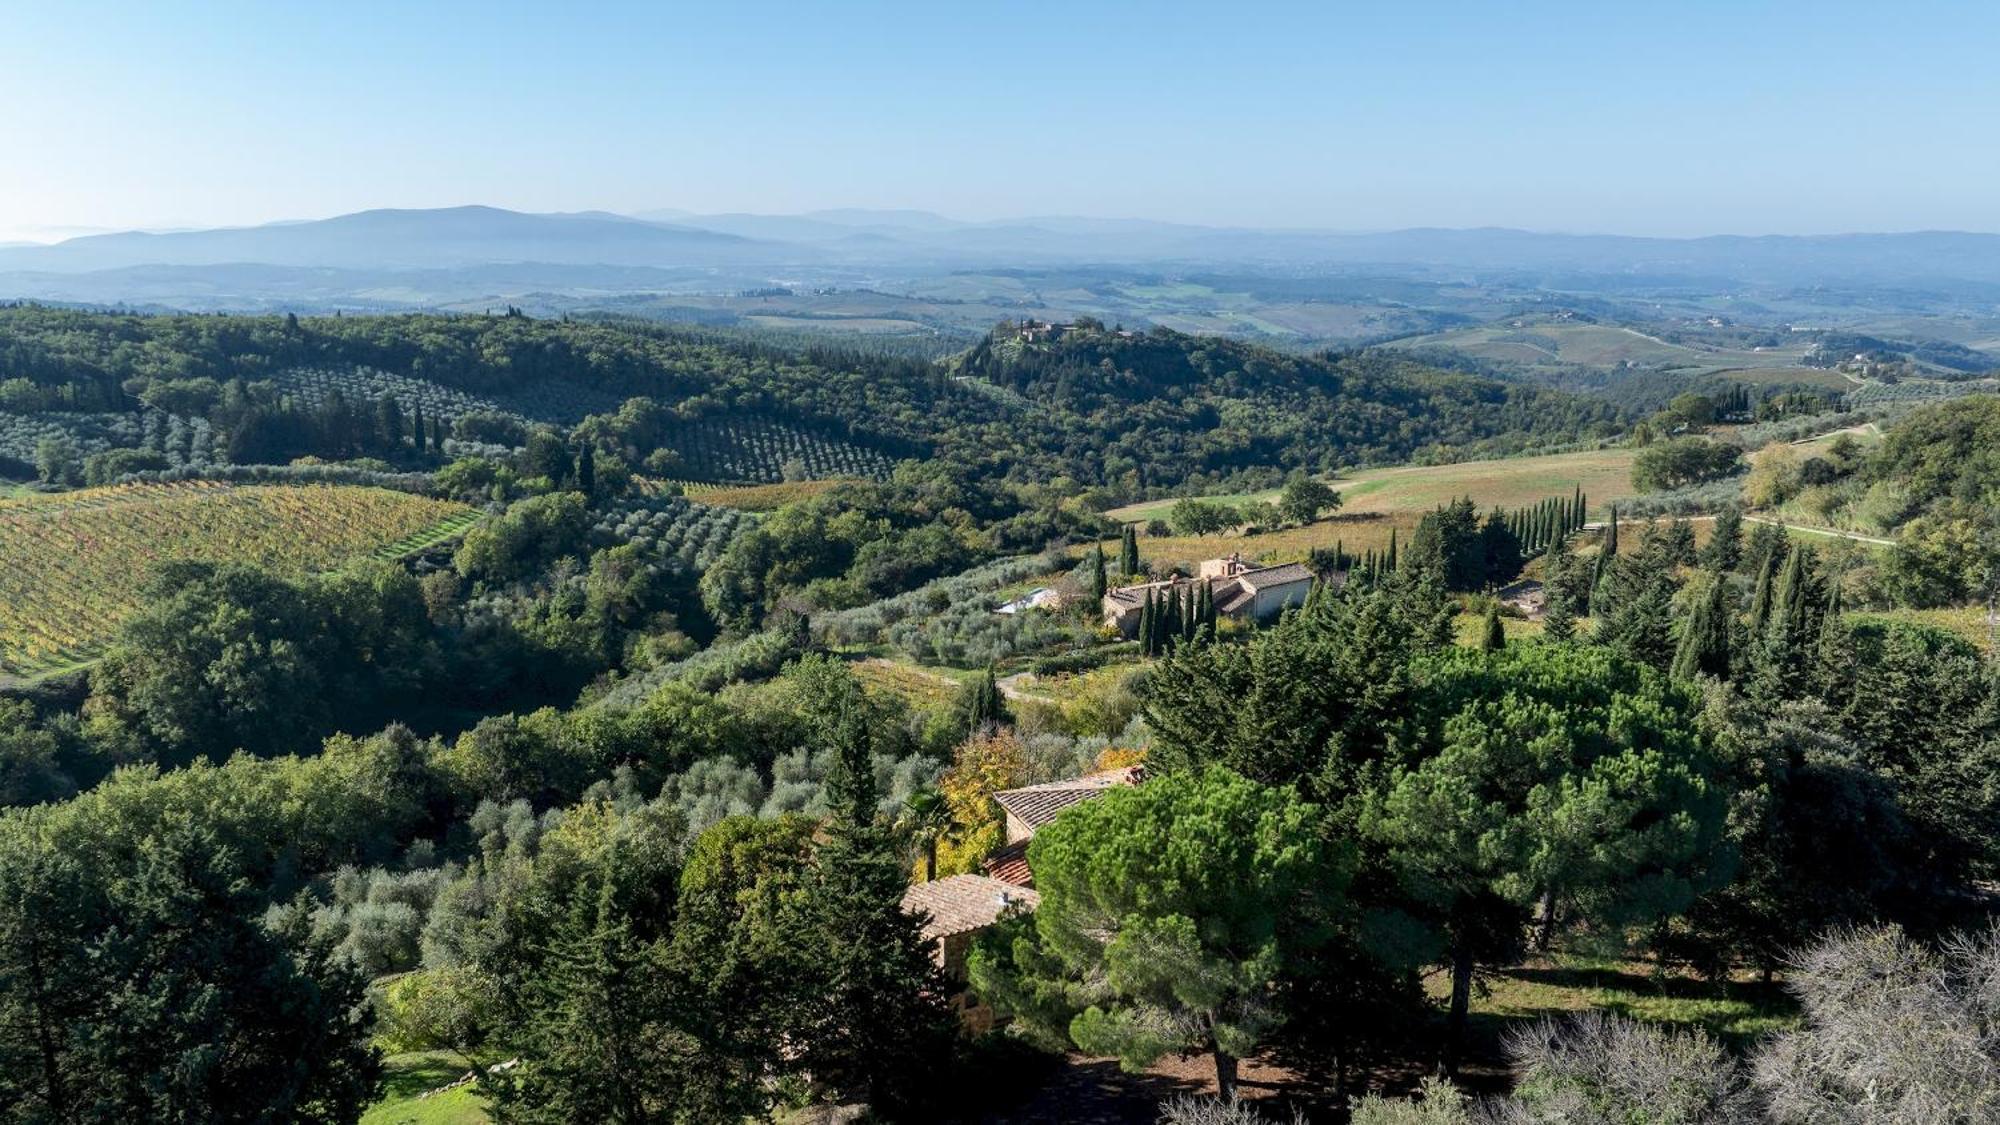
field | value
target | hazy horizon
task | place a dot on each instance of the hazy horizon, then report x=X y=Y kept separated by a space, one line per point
x=1786 y=119
x=53 y=235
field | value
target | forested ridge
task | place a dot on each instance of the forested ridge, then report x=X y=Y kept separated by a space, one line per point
x=1097 y=407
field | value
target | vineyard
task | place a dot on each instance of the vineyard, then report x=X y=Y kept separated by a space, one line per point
x=72 y=566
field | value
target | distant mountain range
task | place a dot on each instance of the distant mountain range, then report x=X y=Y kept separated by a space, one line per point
x=414 y=256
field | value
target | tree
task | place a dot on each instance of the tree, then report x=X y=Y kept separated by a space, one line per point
x=57 y=461
x=1099 y=581
x=1559 y=619
x=1128 y=553
x=1725 y=547
x=869 y=1021
x=1704 y=647
x=1305 y=497
x=586 y=470
x=150 y=988
x=981 y=701
x=1492 y=634
x=601 y=1035
x=450 y=1008
x=1190 y=516
x=1159 y=949
x=1448 y=545
x=1892 y=1032
x=1682 y=462
x=1500 y=549
x=1548 y=775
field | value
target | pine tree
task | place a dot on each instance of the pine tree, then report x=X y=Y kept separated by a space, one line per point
x=1099 y=583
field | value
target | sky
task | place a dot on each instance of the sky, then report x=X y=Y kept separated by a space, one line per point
x=1621 y=117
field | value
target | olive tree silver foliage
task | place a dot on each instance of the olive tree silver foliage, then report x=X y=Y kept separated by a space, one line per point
x=1598 y=1069
x=1895 y=1033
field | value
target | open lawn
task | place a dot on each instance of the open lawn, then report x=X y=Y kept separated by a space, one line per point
x=72 y=565
x=408 y=1077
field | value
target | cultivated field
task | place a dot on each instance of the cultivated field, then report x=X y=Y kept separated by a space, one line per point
x=757 y=497
x=1377 y=501
x=72 y=565
x=1582 y=344
x=1604 y=474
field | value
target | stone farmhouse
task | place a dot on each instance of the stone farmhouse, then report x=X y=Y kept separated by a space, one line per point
x=1254 y=593
x=960 y=906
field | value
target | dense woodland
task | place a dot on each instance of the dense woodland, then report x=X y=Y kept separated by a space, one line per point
x=1095 y=408
x=601 y=801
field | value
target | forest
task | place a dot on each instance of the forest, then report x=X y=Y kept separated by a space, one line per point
x=608 y=793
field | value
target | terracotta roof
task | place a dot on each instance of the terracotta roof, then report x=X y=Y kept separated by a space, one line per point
x=1283 y=575
x=1036 y=805
x=1236 y=597
x=1010 y=865
x=960 y=904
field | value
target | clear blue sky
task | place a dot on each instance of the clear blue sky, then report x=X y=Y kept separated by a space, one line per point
x=1607 y=116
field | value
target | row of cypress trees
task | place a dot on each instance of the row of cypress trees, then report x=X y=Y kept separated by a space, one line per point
x=1166 y=622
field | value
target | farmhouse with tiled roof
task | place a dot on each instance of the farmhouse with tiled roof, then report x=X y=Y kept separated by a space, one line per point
x=1255 y=593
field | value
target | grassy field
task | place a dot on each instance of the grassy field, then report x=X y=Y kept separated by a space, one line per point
x=72 y=564
x=1572 y=343
x=1376 y=501
x=1736 y=1011
x=1509 y=482
x=409 y=1077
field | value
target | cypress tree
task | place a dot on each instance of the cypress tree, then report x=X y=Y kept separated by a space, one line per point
x=1493 y=637
x=1389 y=562
x=586 y=469
x=1725 y=546
x=1704 y=646
x=1099 y=583
x=1559 y=620
x=1792 y=634
x=418 y=433
x=1170 y=624
x=1760 y=602
x=1146 y=633
x=1128 y=553
x=1208 y=607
